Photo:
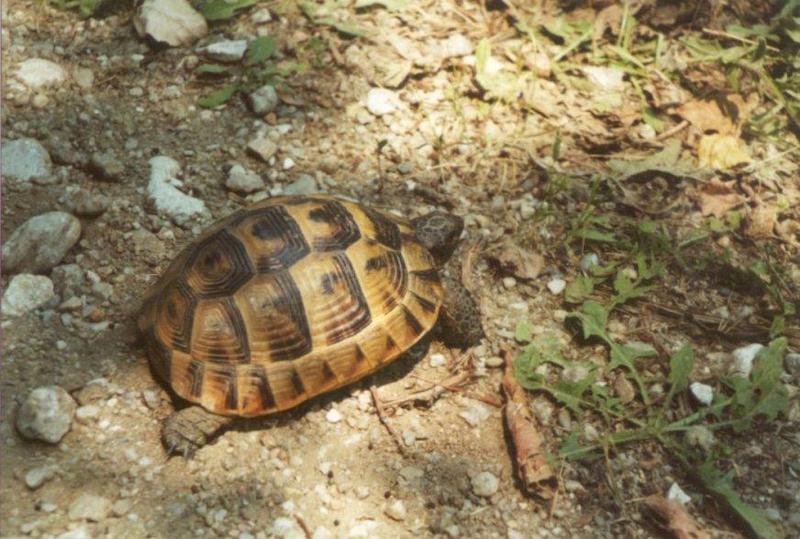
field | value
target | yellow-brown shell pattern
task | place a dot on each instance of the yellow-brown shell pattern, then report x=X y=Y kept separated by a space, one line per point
x=287 y=299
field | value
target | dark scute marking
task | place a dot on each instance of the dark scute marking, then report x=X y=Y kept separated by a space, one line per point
x=386 y=231
x=159 y=354
x=290 y=303
x=426 y=304
x=338 y=331
x=412 y=321
x=346 y=230
x=196 y=371
x=220 y=249
x=327 y=372
x=297 y=382
x=360 y=355
x=274 y=224
x=391 y=345
x=181 y=339
x=264 y=391
x=242 y=354
x=430 y=274
x=328 y=282
x=232 y=394
x=376 y=263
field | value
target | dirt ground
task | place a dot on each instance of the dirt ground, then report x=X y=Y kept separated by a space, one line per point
x=335 y=467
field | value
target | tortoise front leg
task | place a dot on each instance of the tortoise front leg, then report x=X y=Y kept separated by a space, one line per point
x=460 y=320
x=187 y=430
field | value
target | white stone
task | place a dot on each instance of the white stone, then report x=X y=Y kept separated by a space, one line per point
x=89 y=507
x=475 y=414
x=288 y=163
x=485 y=484
x=25 y=293
x=264 y=100
x=381 y=101
x=87 y=413
x=36 y=477
x=321 y=532
x=287 y=528
x=589 y=260
x=76 y=533
x=46 y=414
x=263 y=147
x=227 y=51
x=702 y=392
x=677 y=494
x=122 y=507
x=438 y=360
x=261 y=16
x=454 y=46
x=396 y=510
x=495 y=362
x=174 y=22
x=166 y=197
x=25 y=159
x=38 y=73
x=40 y=243
x=605 y=78
x=243 y=180
x=743 y=359
x=333 y=416
x=305 y=184
x=556 y=286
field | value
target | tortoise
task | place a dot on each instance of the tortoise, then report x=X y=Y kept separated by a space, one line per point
x=296 y=296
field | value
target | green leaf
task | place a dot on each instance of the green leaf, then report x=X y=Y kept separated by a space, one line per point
x=524 y=331
x=593 y=317
x=622 y=284
x=722 y=489
x=217 y=10
x=667 y=161
x=680 y=367
x=778 y=326
x=767 y=369
x=579 y=289
x=212 y=69
x=218 y=98
x=592 y=234
x=260 y=50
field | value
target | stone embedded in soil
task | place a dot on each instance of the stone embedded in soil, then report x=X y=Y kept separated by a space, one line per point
x=166 y=197
x=396 y=510
x=46 y=414
x=556 y=286
x=287 y=528
x=89 y=507
x=589 y=261
x=333 y=416
x=263 y=147
x=743 y=359
x=40 y=243
x=85 y=203
x=75 y=533
x=25 y=293
x=454 y=46
x=494 y=362
x=677 y=494
x=174 y=22
x=243 y=180
x=792 y=363
x=36 y=477
x=485 y=484
x=704 y=394
x=68 y=280
x=38 y=73
x=106 y=166
x=87 y=413
x=475 y=414
x=226 y=51
x=122 y=507
x=264 y=100
x=305 y=184
x=381 y=101
x=25 y=159
x=148 y=246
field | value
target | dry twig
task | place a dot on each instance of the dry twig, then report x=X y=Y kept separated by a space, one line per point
x=674 y=517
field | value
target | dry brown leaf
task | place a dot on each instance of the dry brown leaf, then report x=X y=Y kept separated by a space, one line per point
x=529 y=458
x=519 y=262
x=761 y=222
x=675 y=518
x=717 y=197
x=721 y=151
x=707 y=116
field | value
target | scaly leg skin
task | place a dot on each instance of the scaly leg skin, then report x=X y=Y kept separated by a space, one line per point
x=460 y=321
x=189 y=429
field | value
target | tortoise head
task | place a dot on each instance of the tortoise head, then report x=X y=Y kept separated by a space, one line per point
x=439 y=232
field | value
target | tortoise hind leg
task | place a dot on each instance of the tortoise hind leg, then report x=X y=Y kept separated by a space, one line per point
x=187 y=430
x=460 y=321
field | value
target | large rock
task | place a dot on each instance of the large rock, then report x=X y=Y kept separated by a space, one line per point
x=165 y=195
x=25 y=293
x=174 y=22
x=39 y=73
x=25 y=159
x=46 y=414
x=40 y=243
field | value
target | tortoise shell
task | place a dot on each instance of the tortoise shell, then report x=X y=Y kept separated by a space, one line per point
x=286 y=299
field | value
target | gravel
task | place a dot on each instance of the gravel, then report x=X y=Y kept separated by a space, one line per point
x=46 y=414
x=89 y=507
x=40 y=243
x=485 y=484
x=243 y=180
x=25 y=159
x=38 y=73
x=25 y=293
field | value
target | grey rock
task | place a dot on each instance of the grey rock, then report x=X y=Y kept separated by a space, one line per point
x=475 y=414
x=85 y=203
x=792 y=364
x=743 y=358
x=25 y=293
x=25 y=159
x=62 y=151
x=68 y=280
x=305 y=184
x=89 y=507
x=485 y=484
x=166 y=197
x=87 y=413
x=396 y=510
x=589 y=260
x=36 y=477
x=264 y=100
x=122 y=507
x=106 y=166
x=263 y=147
x=148 y=246
x=39 y=73
x=174 y=22
x=46 y=414
x=243 y=180
x=226 y=51
x=41 y=242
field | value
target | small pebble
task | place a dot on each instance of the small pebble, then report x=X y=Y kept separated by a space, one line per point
x=26 y=293
x=485 y=484
x=677 y=494
x=475 y=414
x=46 y=414
x=381 y=101
x=396 y=510
x=510 y=282
x=438 y=360
x=589 y=260
x=87 y=413
x=743 y=359
x=702 y=392
x=89 y=507
x=333 y=416
x=36 y=477
x=556 y=286
x=494 y=362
